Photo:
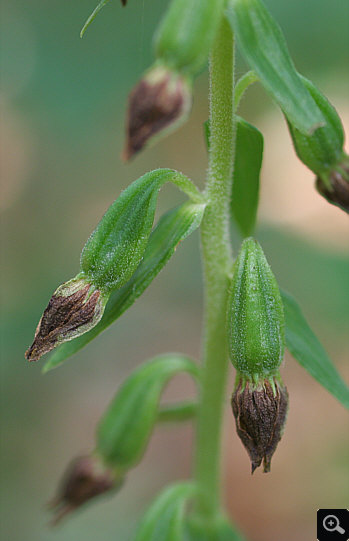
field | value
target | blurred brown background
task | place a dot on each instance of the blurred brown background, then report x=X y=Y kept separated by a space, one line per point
x=63 y=102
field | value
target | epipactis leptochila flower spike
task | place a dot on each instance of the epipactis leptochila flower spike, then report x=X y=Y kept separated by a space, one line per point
x=256 y=346
x=85 y=478
x=74 y=308
x=160 y=102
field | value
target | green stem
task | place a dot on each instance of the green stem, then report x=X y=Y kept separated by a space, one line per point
x=216 y=262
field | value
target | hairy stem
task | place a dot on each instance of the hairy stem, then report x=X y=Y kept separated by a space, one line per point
x=216 y=262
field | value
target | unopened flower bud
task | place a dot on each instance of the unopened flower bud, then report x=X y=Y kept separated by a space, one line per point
x=335 y=188
x=74 y=308
x=322 y=151
x=260 y=411
x=160 y=102
x=85 y=478
x=256 y=344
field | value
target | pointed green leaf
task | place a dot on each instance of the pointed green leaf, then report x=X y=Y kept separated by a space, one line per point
x=262 y=43
x=247 y=166
x=164 y=520
x=307 y=350
x=172 y=228
x=125 y=428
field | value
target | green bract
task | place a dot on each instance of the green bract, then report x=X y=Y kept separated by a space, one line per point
x=247 y=166
x=255 y=315
x=264 y=47
x=186 y=34
x=164 y=521
x=125 y=428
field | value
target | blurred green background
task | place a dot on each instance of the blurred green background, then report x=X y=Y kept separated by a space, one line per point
x=63 y=102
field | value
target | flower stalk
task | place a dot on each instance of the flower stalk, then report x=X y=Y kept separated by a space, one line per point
x=216 y=256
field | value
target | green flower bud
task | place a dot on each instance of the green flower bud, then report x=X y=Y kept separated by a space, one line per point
x=323 y=153
x=255 y=315
x=74 y=308
x=160 y=102
x=256 y=345
x=125 y=428
x=109 y=259
x=185 y=36
x=86 y=477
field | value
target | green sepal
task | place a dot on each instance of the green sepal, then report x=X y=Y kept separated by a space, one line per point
x=125 y=428
x=255 y=315
x=322 y=150
x=164 y=520
x=172 y=228
x=186 y=33
x=308 y=351
x=116 y=247
x=246 y=173
x=264 y=47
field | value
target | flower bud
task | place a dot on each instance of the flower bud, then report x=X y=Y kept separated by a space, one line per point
x=85 y=478
x=74 y=308
x=260 y=413
x=161 y=101
x=186 y=33
x=256 y=345
x=323 y=153
x=336 y=186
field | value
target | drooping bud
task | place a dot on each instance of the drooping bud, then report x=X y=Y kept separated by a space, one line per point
x=322 y=151
x=256 y=346
x=260 y=413
x=74 y=308
x=85 y=478
x=160 y=102
x=335 y=188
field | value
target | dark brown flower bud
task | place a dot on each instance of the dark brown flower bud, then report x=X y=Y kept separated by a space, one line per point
x=74 y=308
x=336 y=191
x=85 y=478
x=260 y=414
x=159 y=103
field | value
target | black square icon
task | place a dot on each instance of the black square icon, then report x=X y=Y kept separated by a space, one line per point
x=333 y=525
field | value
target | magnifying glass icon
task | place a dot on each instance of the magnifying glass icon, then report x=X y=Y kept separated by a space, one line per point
x=331 y=524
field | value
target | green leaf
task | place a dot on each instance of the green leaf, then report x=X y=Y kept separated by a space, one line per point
x=126 y=426
x=246 y=171
x=307 y=350
x=262 y=43
x=164 y=520
x=93 y=16
x=172 y=228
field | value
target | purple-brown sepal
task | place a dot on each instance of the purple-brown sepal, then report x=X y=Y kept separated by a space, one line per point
x=159 y=102
x=260 y=413
x=85 y=478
